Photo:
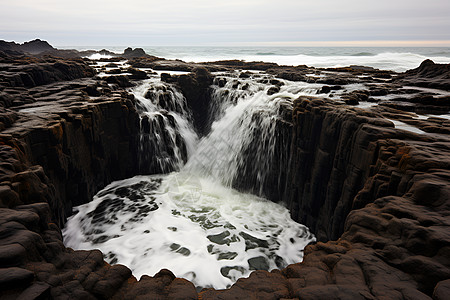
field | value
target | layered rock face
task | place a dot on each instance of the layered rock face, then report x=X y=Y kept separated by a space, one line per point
x=332 y=152
x=79 y=143
x=390 y=191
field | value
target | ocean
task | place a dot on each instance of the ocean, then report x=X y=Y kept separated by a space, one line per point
x=397 y=59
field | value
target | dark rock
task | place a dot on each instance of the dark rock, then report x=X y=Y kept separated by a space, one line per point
x=43 y=72
x=12 y=255
x=195 y=88
x=15 y=277
x=137 y=52
x=442 y=290
x=258 y=263
x=325 y=89
x=8 y=197
x=137 y=74
x=260 y=285
x=428 y=74
x=120 y=80
x=166 y=77
x=245 y=75
x=36 y=291
x=273 y=90
x=34 y=47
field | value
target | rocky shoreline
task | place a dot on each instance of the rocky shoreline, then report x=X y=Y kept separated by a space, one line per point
x=376 y=196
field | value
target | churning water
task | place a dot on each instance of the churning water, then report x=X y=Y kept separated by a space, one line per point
x=191 y=220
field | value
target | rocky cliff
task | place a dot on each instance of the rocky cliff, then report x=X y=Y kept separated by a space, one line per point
x=378 y=198
x=383 y=192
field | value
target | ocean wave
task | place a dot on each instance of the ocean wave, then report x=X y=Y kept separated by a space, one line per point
x=394 y=61
x=397 y=59
x=363 y=54
x=266 y=53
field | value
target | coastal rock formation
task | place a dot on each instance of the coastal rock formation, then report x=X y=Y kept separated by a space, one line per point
x=32 y=47
x=376 y=196
x=17 y=72
x=428 y=74
x=195 y=88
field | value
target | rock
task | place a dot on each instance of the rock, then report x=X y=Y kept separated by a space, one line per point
x=120 y=80
x=137 y=74
x=167 y=78
x=15 y=277
x=442 y=290
x=12 y=255
x=325 y=89
x=8 y=197
x=260 y=285
x=273 y=90
x=195 y=88
x=43 y=72
x=115 y=276
x=33 y=47
x=163 y=285
x=428 y=74
x=36 y=291
x=258 y=263
x=137 y=52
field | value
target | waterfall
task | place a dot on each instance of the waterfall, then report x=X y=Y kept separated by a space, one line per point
x=167 y=137
x=192 y=221
x=250 y=131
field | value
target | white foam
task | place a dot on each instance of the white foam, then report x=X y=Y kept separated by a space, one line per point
x=97 y=56
x=184 y=233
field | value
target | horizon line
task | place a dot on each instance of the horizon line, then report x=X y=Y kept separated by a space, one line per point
x=367 y=43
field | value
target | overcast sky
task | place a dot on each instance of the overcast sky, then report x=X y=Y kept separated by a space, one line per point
x=226 y=22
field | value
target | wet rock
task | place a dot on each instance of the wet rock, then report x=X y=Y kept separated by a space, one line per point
x=43 y=72
x=120 y=80
x=195 y=88
x=166 y=77
x=15 y=277
x=442 y=290
x=38 y=290
x=33 y=47
x=130 y=52
x=273 y=90
x=245 y=75
x=258 y=263
x=163 y=285
x=260 y=285
x=137 y=74
x=428 y=74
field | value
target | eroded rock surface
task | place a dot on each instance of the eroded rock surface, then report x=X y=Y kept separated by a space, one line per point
x=381 y=193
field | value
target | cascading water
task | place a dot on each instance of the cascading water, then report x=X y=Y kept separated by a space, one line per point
x=167 y=136
x=192 y=221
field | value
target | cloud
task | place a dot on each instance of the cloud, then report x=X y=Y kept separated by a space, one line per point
x=174 y=22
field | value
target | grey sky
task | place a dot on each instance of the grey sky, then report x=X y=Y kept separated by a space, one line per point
x=228 y=22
